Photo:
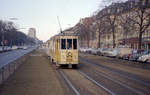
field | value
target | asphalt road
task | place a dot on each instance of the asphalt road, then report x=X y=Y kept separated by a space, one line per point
x=10 y=56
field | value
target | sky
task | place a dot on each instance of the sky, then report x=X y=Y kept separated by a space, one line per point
x=42 y=14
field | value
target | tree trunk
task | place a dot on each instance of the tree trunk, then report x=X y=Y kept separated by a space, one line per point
x=114 y=42
x=140 y=41
x=99 y=40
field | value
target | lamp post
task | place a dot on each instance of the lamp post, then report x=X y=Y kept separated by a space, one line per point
x=2 y=42
x=12 y=19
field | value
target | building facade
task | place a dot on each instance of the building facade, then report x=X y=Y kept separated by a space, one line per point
x=32 y=33
x=126 y=29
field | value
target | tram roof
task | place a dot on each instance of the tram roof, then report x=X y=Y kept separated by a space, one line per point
x=67 y=33
x=64 y=33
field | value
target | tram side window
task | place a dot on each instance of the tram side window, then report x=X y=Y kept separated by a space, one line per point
x=63 y=43
x=69 y=43
x=74 y=43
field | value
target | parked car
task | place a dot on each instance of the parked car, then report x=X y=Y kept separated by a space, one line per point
x=136 y=55
x=99 y=51
x=88 y=50
x=113 y=53
x=14 y=47
x=148 y=60
x=126 y=56
x=25 y=47
x=82 y=49
x=8 y=48
x=104 y=51
x=94 y=51
x=144 y=58
x=20 y=47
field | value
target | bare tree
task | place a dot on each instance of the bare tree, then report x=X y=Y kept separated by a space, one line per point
x=111 y=19
x=101 y=28
x=10 y=34
x=141 y=18
x=127 y=25
x=111 y=14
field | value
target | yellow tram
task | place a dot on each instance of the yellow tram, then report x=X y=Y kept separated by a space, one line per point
x=63 y=49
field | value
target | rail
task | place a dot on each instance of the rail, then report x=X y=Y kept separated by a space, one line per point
x=69 y=83
x=117 y=73
x=95 y=82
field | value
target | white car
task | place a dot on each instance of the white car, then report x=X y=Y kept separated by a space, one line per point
x=25 y=47
x=113 y=53
x=144 y=58
x=94 y=51
x=14 y=47
x=83 y=50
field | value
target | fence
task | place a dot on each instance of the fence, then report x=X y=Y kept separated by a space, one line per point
x=9 y=69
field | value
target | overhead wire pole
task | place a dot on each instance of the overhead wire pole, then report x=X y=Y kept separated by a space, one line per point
x=59 y=24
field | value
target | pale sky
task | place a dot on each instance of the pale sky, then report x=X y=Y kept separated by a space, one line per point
x=42 y=14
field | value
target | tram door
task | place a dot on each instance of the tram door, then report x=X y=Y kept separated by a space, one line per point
x=57 y=50
x=69 y=50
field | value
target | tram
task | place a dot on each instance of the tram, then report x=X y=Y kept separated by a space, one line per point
x=63 y=49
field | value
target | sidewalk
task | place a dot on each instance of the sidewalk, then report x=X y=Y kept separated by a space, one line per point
x=34 y=77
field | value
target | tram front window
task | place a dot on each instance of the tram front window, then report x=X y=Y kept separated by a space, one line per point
x=74 y=43
x=69 y=43
x=63 y=43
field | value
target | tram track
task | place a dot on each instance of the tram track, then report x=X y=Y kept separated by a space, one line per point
x=95 y=82
x=136 y=87
x=98 y=76
x=69 y=82
x=117 y=72
x=86 y=85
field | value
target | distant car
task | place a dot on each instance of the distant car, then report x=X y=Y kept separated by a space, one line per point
x=25 y=47
x=88 y=50
x=83 y=50
x=14 y=47
x=8 y=48
x=94 y=51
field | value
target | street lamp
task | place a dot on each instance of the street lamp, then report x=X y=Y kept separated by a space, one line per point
x=2 y=42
